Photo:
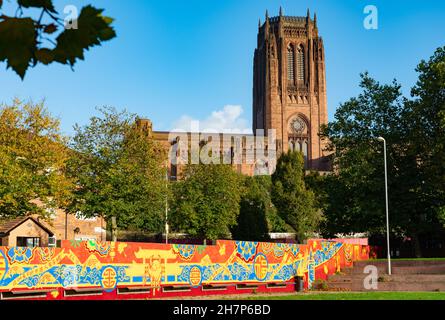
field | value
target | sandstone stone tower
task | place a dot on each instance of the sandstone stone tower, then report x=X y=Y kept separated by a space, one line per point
x=289 y=85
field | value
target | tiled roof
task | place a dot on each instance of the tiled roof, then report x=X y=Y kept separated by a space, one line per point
x=7 y=225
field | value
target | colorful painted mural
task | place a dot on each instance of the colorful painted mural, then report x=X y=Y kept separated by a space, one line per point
x=106 y=270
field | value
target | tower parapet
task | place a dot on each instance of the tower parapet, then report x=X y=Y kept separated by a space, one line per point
x=289 y=85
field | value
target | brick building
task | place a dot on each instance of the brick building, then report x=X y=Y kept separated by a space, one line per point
x=289 y=85
x=24 y=232
x=75 y=227
x=289 y=98
x=65 y=226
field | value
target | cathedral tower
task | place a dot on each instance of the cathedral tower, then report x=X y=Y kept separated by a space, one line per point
x=289 y=85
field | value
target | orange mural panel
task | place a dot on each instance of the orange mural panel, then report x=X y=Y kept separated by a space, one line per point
x=130 y=267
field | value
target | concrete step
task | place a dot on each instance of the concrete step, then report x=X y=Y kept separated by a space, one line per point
x=396 y=269
x=400 y=263
x=409 y=282
x=414 y=278
x=344 y=286
x=419 y=270
x=405 y=286
x=390 y=286
x=415 y=275
x=341 y=278
x=385 y=277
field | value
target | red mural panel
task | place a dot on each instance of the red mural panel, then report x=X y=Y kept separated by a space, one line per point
x=120 y=270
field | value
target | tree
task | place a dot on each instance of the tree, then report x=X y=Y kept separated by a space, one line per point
x=119 y=171
x=27 y=41
x=33 y=156
x=356 y=195
x=414 y=133
x=206 y=201
x=258 y=215
x=426 y=116
x=294 y=202
x=339 y=209
x=274 y=222
x=316 y=182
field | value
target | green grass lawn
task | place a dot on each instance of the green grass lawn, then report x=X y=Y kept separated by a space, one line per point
x=355 y=296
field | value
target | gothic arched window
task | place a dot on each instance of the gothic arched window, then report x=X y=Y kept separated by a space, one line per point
x=291 y=145
x=299 y=134
x=300 y=63
x=290 y=63
x=305 y=149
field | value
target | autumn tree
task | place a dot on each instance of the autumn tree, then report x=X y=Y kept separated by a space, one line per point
x=27 y=40
x=120 y=172
x=33 y=157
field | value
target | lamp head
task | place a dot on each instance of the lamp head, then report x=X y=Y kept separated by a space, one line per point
x=381 y=139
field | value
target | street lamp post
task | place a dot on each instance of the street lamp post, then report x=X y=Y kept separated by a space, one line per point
x=387 y=210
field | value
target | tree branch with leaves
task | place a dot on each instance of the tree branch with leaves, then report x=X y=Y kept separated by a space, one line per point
x=26 y=40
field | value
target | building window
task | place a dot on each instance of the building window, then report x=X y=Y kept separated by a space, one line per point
x=305 y=154
x=300 y=63
x=290 y=63
x=28 y=242
x=173 y=172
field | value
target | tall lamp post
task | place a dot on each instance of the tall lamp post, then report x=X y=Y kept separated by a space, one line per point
x=381 y=139
x=166 y=208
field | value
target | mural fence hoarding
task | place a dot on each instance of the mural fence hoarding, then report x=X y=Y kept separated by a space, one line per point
x=121 y=270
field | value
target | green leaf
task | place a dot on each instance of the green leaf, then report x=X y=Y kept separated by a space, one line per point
x=92 y=30
x=44 y=4
x=18 y=42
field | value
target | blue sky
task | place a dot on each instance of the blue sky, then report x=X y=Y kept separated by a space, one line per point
x=176 y=60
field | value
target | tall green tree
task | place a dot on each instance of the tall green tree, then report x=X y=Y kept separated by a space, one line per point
x=415 y=139
x=206 y=201
x=427 y=115
x=356 y=195
x=426 y=135
x=274 y=222
x=33 y=157
x=27 y=40
x=258 y=216
x=120 y=172
x=294 y=201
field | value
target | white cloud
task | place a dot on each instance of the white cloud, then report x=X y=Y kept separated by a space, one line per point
x=227 y=120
